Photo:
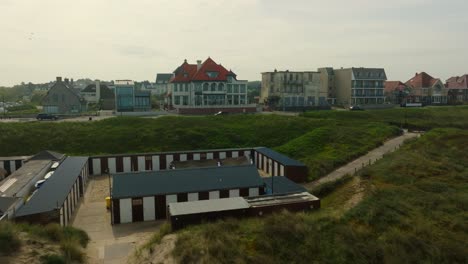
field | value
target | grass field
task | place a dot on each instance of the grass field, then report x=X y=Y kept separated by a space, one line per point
x=321 y=144
x=415 y=211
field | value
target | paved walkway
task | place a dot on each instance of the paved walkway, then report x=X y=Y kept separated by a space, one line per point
x=108 y=244
x=372 y=156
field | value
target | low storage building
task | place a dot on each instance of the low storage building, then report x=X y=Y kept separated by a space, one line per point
x=57 y=199
x=145 y=196
x=183 y=214
x=277 y=164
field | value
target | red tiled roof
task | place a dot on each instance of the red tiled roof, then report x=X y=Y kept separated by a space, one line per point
x=421 y=80
x=391 y=86
x=457 y=82
x=184 y=73
x=188 y=72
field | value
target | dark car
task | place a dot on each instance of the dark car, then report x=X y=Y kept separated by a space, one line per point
x=45 y=116
x=356 y=108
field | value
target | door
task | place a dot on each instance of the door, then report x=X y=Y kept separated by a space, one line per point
x=137 y=209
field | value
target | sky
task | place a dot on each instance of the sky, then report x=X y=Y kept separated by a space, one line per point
x=135 y=39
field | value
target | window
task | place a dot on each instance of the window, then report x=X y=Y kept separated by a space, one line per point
x=185 y=100
x=236 y=88
x=242 y=99
x=177 y=100
x=221 y=87
x=205 y=87
x=212 y=74
x=175 y=87
x=186 y=87
x=229 y=88
x=242 y=88
x=213 y=87
x=236 y=99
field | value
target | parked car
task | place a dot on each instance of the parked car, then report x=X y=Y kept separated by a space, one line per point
x=221 y=113
x=44 y=116
x=356 y=108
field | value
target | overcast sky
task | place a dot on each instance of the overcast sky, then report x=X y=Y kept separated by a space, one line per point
x=124 y=39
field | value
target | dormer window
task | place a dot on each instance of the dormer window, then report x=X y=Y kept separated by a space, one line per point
x=212 y=74
x=185 y=75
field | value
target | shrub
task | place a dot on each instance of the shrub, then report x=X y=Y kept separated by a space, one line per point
x=53 y=259
x=9 y=241
x=72 y=251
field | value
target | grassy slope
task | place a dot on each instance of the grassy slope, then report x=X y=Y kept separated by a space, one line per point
x=121 y=135
x=415 y=213
x=418 y=118
x=45 y=244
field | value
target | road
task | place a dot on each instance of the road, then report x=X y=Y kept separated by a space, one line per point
x=357 y=164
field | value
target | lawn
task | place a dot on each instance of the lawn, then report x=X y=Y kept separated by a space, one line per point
x=415 y=211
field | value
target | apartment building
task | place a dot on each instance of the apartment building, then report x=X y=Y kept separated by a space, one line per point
x=359 y=86
x=293 y=89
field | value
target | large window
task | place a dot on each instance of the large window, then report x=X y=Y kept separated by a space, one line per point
x=242 y=88
x=177 y=100
x=229 y=88
x=206 y=86
x=236 y=88
x=221 y=87
x=213 y=87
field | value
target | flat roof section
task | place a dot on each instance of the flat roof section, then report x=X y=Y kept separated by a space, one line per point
x=270 y=200
x=282 y=185
x=54 y=190
x=205 y=206
x=13 y=184
x=211 y=163
x=15 y=158
x=283 y=159
x=184 y=181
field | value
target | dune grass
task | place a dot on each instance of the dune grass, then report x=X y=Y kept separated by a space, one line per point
x=415 y=212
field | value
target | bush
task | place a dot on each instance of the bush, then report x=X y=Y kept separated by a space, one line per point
x=72 y=251
x=9 y=241
x=53 y=259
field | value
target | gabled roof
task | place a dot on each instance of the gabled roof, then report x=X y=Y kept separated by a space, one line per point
x=55 y=190
x=106 y=92
x=190 y=72
x=422 y=80
x=457 y=82
x=184 y=73
x=391 y=86
x=283 y=159
x=47 y=155
x=184 y=181
x=163 y=77
x=210 y=66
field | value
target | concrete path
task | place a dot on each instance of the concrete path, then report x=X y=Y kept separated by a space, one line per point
x=109 y=243
x=355 y=165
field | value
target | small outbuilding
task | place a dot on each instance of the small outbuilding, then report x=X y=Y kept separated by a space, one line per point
x=277 y=164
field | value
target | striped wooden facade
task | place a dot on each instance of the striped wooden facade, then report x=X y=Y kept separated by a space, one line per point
x=113 y=164
x=70 y=204
x=137 y=209
x=11 y=166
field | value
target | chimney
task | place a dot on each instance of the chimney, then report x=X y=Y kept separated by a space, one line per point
x=198 y=64
x=71 y=81
x=66 y=80
x=98 y=90
x=59 y=79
